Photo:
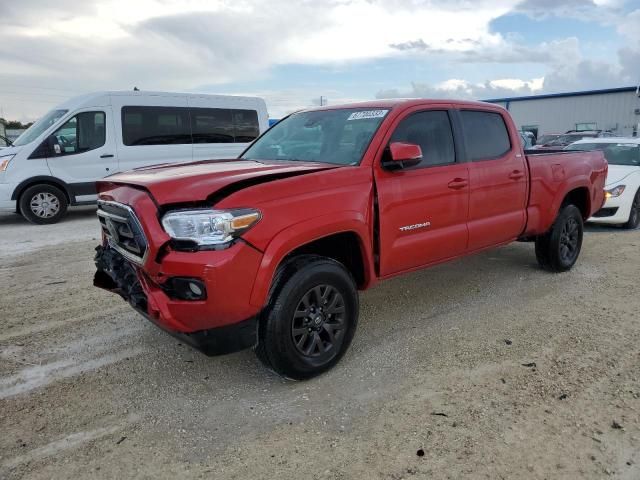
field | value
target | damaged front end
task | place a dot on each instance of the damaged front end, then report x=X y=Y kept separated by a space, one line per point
x=115 y=274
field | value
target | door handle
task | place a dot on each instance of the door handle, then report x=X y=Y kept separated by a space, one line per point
x=458 y=183
x=516 y=175
x=106 y=155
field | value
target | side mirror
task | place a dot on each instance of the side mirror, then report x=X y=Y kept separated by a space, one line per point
x=405 y=154
x=54 y=146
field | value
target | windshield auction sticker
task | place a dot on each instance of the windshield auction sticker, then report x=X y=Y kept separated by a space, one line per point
x=366 y=114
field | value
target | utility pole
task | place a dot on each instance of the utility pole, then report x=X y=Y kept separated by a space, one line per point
x=322 y=101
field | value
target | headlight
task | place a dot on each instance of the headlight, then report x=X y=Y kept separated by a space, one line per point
x=208 y=227
x=614 y=192
x=4 y=162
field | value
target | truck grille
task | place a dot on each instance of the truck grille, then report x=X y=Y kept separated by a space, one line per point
x=123 y=230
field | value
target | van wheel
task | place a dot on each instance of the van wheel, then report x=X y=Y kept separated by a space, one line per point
x=559 y=248
x=311 y=318
x=634 y=216
x=43 y=204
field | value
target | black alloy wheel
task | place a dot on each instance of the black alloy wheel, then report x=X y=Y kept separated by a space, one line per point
x=311 y=317
x=569 y=238
x=318 y=322
x=559 y=248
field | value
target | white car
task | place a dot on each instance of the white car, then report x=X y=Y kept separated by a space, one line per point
x=56 y=161
x=622 y=205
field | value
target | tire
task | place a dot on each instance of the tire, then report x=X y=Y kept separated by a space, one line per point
x=311 y=318
x=634 y=216
x=559 y=249
x=43 y=204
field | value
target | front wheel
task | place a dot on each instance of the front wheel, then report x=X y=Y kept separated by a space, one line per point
x=559 y=248
x=311 y=318
x=43 y=204
x=634 y=215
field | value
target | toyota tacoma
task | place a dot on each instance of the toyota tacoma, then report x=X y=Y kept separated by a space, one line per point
x=269 y=250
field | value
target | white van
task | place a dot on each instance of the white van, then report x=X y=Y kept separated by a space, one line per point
x=56 y=162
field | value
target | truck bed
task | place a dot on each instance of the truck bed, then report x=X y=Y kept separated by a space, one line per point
x=553 y=174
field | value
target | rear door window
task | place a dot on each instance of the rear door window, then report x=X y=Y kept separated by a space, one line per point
x=485 y=134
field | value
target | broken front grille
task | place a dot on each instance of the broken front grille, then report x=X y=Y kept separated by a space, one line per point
x=123 y=230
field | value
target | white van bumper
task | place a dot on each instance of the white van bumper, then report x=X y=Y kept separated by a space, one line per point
x=6 y=204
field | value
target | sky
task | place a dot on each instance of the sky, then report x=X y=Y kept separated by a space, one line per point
x=293 y=52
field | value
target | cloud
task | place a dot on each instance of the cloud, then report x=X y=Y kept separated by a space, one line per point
x=418 y=44
x=49 y=52
x=462 y=89
x=601 y=11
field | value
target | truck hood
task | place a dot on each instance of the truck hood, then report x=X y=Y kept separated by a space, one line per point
x=210 y=179
x=618 y=173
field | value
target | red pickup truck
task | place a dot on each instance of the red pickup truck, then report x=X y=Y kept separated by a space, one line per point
x=270 y=249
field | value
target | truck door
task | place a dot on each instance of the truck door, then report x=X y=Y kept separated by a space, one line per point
x=423 y=209
x=83 y=151
x=498 y=179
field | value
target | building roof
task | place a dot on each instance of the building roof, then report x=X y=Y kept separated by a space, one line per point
x=566 y=94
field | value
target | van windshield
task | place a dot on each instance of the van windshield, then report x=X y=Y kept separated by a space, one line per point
x=338 y=136
x=35 y=130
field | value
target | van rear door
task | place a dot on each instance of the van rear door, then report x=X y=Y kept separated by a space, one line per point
x=83 y=151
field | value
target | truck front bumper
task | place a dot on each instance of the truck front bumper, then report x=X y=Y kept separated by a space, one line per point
x=221 y=322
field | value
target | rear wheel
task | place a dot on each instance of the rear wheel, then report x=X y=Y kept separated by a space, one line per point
x=634 y=216
x=43 y=204
x=311 y=318
x=559 y=248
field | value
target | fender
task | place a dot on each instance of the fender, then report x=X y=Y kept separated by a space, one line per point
x=305 y=232
x=579 y=181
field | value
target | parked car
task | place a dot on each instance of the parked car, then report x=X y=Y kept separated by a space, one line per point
x=269 y=250
x=622 y=206
x=559 y=141
x=56 y=162
x=528 y=140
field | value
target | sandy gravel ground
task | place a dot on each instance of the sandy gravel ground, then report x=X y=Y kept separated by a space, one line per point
x=483 y=368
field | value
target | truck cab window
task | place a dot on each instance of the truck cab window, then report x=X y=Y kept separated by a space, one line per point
x=485 y=135
x=432 y=132
x=81 y=133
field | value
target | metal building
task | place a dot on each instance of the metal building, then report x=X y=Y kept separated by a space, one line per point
x=615 y=109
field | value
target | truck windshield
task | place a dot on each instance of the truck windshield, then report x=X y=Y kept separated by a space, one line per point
x=615 y=153
x=338 y=136
x=34 y=131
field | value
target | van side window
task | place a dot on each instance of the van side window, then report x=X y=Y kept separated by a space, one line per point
x=246 y=127
x=485 y=135
x=223 y=125
x=431 y=130
x=81 y=133
x=155 y=126
x=181 y=125
x=212 y=125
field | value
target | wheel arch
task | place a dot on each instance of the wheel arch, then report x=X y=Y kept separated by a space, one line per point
x=579 y=197
x=40 y=180
x=344 y=240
